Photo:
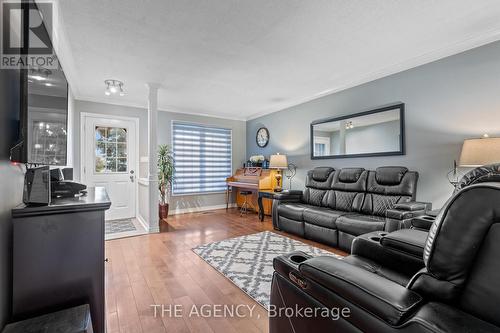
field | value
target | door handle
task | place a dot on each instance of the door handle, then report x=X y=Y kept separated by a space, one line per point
x=132 y=176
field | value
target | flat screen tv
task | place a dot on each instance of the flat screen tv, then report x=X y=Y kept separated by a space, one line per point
x=43 y=117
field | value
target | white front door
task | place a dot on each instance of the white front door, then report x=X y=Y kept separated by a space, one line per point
x=110 y=161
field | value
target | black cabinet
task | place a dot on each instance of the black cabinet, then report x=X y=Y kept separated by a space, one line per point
x=58 y=257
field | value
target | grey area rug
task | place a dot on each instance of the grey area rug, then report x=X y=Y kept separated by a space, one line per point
x=115 y=226
x=248 y=260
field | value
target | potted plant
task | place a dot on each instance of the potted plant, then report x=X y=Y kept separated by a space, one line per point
x=165 y=177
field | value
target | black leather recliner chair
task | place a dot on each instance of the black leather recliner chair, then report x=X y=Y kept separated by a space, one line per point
x=456 y=290
x=338 y=205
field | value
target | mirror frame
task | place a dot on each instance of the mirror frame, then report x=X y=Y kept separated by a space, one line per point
x=402 y=143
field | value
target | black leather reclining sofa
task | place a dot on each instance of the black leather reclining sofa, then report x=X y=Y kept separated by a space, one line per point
x=338 y=205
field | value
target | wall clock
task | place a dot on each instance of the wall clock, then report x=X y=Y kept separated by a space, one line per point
x=262 y=137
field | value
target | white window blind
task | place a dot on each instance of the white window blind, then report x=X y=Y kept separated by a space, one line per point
x=202 y=158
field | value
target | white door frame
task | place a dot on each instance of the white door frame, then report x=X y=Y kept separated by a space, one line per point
x=83 y=116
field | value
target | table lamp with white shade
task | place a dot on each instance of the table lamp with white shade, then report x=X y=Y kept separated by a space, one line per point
x=478 y=152
x=279 y=162
x=475 y=153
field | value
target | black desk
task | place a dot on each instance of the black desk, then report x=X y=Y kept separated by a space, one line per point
x=58 y=257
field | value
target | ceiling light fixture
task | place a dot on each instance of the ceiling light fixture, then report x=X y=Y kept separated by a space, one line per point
x=349 y=125
x=113 y=87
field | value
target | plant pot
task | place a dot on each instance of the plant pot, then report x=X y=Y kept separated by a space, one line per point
x=163 y=211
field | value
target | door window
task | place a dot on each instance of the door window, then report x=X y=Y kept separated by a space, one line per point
x=110 y=150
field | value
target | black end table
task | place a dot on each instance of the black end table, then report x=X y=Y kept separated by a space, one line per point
x=268 y=194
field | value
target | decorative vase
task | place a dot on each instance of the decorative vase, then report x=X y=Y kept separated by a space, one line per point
x=163 y=211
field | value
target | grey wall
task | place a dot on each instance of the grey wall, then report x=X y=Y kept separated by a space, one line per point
x=446 y=101
x=164 y=136
x=187 y=202
x=11 y=185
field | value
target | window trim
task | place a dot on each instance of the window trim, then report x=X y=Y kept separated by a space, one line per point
x=173 y=121
x=116 y=158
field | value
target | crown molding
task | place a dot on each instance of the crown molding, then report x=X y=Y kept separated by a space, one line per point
x=202 y=114
x=104 y=100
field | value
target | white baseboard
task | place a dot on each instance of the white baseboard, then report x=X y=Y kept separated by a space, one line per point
x=143 y=222
x=198 y=209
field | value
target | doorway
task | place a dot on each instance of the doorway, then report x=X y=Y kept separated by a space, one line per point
x=109 y=146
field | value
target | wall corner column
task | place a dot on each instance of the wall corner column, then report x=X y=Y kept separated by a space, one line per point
x=153 y=195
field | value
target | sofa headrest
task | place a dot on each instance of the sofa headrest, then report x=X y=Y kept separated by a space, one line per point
x=483 y=174
x=390 y=175
x=320 y=174
x=320 y=178
x=350 y=180
x=350 y=175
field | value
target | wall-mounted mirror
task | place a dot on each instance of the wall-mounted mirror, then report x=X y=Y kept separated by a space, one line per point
x=377 y=132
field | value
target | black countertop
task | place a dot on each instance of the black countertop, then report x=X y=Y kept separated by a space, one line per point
x=96 y=199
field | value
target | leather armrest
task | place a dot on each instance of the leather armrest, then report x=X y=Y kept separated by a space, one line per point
x=413 y=206
x=402 y=214
x=385 y=258
x=288 y=195
x=407 y=241
x=289 y=262
x=408 y=210
x=422 y=222
x=379 y=296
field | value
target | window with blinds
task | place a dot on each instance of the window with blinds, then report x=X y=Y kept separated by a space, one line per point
x=202 y=158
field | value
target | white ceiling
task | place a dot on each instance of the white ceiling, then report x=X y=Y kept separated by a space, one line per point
x=241 y=59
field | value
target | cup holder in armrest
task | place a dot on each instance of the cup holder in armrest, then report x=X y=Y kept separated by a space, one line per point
x=286 y=263
x=298 y=258
x=423 y=222
x=378 y=236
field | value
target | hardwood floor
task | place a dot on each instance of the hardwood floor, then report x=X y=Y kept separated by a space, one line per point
x=162 y=269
